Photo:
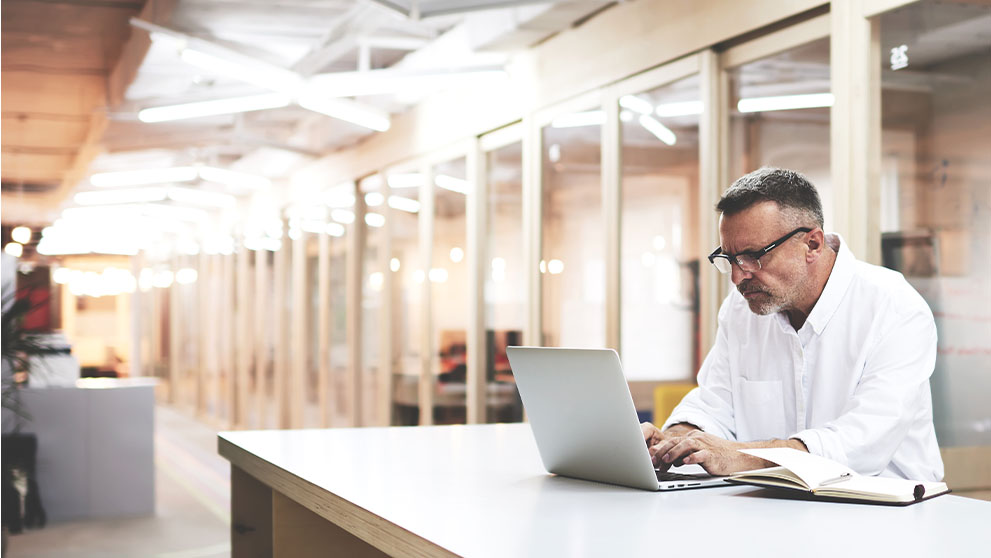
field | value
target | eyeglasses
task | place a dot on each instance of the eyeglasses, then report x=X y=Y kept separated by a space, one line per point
x=749 y=262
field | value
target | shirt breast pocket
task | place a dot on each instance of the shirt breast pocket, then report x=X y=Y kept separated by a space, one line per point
x=759 y=409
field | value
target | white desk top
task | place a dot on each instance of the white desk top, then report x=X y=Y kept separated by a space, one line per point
x=481 y=491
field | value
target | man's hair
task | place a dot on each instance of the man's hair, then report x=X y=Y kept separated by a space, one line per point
x=787 y=188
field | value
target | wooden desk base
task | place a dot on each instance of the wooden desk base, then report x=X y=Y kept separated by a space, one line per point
x=266 y=523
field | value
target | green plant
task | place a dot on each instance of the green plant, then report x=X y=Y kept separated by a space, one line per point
x=18 y=346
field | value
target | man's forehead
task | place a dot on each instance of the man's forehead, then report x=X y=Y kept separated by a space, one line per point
x=750 y=229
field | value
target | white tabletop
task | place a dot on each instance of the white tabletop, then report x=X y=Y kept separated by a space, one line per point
x=481 y=491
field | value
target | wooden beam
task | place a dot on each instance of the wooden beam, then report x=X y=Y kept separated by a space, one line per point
x=135 y=50
x=323 y=330
x=280 y=332
x=298 y=326
x=262 y=338
x=354 y=334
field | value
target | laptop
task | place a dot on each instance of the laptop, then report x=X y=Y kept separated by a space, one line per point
x=583 y=419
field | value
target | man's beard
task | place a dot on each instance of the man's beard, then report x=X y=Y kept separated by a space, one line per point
x=765 y=303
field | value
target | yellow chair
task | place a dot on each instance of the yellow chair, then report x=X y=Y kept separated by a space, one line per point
x=667 y=397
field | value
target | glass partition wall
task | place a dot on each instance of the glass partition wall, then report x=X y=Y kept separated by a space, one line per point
x=448 y=279
x=779 y=115
x=572 y=264
x=504 y=279
x=406 y=279
x=659 y=252
x=936 y=194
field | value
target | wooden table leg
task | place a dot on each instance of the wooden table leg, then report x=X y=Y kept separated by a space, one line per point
x=251 y=516
x=298 y=532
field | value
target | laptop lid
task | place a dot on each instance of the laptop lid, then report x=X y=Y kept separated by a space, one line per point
x=582 y=415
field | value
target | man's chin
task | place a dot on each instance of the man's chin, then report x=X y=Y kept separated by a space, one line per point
x=763 y=306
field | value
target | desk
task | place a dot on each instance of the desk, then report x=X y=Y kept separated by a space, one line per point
x=481 y=491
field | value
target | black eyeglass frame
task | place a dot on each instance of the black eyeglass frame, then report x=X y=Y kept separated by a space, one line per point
x=755 y=254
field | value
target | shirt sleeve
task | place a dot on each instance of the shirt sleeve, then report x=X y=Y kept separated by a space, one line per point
x=887 y=401
x=710 y=406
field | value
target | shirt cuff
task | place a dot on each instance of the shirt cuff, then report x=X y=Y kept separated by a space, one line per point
x=812 y=440
x=700 y=421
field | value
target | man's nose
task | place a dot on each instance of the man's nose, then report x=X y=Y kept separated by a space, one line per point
x=737 y=274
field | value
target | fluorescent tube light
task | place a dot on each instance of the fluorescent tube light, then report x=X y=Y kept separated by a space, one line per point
x=347 y=110
x=313 y=226
x=126 y=195
x=201 y=197
x=636 y=104
x=375 y=220
x=21 y=234
x=250 y=71
x=232 y=178
x=404 y=204
x=451 y=183
x=578 y=119
x=374 y=199
x=405 y=180
x=214 y=107
x=342 y=216
x=334 y=229
x=685 y=108
x=785 y=102
x=14 y=249
x=394 y=81
x=659 y=130
x=141 y=177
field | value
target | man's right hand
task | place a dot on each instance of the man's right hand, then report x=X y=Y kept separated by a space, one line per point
x=653 y=436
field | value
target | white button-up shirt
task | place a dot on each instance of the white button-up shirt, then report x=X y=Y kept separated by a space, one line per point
x=852 y=384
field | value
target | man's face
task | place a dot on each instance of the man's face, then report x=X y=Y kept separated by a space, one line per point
x=778 y=285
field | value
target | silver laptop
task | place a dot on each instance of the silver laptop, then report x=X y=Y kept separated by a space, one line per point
x=584 y=422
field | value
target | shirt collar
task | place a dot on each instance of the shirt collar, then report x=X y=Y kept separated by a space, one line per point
x=836 y=286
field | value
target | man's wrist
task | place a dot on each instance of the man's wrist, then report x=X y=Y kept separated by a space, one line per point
x=681 y=428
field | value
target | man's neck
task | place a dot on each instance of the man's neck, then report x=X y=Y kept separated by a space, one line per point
x=798 y=315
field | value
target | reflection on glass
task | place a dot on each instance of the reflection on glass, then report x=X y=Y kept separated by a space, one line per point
x=779 y=107
x=572 y=267
x=402 y=199
x=660 y=253
x=372 y=282
x=935 y=198
x=448 y=276
x=505 y=283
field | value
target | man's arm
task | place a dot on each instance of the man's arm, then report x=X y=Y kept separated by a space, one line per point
x=714 y=454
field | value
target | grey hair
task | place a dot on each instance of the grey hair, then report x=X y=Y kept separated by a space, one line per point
x=787 y=188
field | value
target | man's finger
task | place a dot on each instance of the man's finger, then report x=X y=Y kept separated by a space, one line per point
x=681 y=449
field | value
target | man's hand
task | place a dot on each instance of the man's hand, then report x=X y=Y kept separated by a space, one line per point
x=716 y=455
x=654 y=436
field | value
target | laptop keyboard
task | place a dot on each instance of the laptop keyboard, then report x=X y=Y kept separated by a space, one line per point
x=669 y=476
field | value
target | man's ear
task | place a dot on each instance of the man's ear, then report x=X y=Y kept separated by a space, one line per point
x=815 y=241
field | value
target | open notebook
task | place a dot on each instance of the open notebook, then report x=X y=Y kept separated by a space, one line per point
x=827 y=479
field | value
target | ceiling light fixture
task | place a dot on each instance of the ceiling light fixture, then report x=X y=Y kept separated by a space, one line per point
x=405 y=180
x=126 y=195
x=244 y=69
x=404 y=204
x=233 y=178
x=659 y=130
x=684 y=108
x=636 y=104
x=579 y=119
x=201 y=197
x=214 y=107
x=451 y=183
x=21 y=234
x=141 y=177
x=347 y=110
x=785 y=102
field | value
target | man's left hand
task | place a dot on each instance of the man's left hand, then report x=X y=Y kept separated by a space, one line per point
x=716 y=455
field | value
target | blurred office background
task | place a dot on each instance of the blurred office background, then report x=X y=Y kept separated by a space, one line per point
x=330 y=213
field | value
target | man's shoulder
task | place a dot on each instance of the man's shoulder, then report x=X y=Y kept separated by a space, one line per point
x=885 y=287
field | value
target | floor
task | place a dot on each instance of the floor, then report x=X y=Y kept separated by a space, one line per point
x=192 y=506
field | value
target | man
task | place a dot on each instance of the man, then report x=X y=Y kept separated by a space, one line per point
x=815 y=350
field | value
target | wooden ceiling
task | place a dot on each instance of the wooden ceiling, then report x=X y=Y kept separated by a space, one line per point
x=62 y=72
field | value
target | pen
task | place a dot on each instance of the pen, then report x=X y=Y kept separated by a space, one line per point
x=841 y=478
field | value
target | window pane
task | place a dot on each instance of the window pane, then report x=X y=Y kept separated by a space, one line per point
x=659 y=253
x=572 y=263
x=372 y=283
x=407 y=284
x=505 y=284
x=448 y=276
x=764 y=132
x=936 y=199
